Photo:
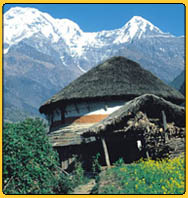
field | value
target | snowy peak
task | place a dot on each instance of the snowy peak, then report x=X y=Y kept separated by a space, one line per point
x=68 y=24
x=140 y=24
x=137 y=28
x=19 y=11
x=21 y=23
x=140 y=21
x=68 y=29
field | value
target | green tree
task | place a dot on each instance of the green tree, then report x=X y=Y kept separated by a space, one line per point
x=30 y=165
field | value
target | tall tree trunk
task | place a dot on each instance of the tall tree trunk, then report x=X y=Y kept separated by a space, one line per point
x=105 y=151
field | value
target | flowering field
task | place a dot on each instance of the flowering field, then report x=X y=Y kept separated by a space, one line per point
x=145 y=177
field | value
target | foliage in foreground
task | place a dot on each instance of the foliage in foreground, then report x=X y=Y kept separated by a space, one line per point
x=30 y=165
x=145 y=177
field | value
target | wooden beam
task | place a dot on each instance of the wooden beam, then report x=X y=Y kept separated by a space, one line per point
x=165 y=126
x=147 y=155
x=164 y=121
x=106 y=154
x=76 y=107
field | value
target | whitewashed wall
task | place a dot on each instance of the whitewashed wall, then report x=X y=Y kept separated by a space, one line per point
x=94 y=108
x=86 y=109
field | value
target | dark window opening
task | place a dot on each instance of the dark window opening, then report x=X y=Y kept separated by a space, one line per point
x=62 y=117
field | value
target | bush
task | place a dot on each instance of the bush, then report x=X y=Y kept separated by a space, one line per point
x=78 y=174
x=30 y=165
x=96 y=167
x=119 y=162
x=65 y=184
x=145 y=177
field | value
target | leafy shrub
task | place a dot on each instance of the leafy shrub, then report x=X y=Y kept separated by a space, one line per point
x=145 y=177
x=65 y=184
x=78 y=174
x=96 y=167
x=119 y=162
x=30 y=165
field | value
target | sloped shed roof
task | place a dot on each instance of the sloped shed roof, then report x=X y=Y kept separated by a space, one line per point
x=150 y=104
x=69 y=135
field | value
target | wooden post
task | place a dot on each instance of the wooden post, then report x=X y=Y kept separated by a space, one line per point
x=147 y=155
x=105 y=151
x=165 y=125
x=164 y=121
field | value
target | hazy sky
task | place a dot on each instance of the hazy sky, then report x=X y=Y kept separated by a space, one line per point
x=97 y=17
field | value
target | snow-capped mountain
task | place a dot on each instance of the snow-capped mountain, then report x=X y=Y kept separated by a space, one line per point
x=51 y=52
x=24 y=23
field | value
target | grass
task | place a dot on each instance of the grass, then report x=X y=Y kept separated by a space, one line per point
x=145 y=177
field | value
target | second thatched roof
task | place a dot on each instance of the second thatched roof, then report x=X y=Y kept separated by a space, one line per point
x=116 y=78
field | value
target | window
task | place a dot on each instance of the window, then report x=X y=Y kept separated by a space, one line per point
x=62 y=116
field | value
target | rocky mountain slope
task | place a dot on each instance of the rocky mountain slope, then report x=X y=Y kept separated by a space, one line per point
x=43 y=54
x=179 y=82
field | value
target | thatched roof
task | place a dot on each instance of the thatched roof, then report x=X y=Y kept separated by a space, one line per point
x=116 y=78
x=149 y=104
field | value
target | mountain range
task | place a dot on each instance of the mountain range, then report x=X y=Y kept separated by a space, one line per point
x=43 y=54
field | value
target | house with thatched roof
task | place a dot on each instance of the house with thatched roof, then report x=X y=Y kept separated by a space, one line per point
x=94 y=96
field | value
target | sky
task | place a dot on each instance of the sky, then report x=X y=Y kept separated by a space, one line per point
x=96 y=17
